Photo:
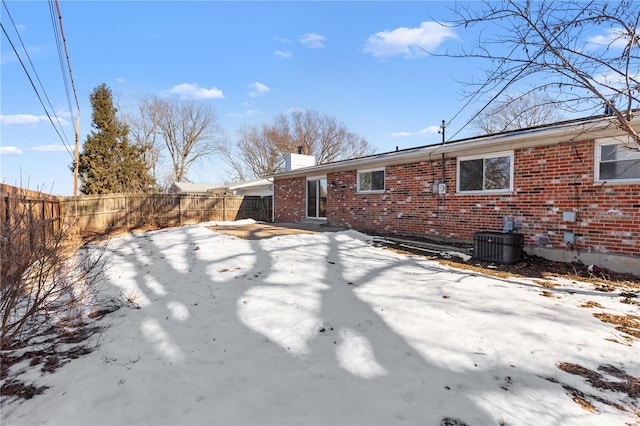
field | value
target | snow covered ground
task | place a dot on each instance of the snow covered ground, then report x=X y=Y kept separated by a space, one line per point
x=329 y=329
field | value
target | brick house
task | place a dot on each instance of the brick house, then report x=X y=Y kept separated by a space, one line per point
x=570 y=188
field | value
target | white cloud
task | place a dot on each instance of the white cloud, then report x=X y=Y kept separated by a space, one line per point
x=194 y=91
x=21 y=119
x=258 y=89
x=32 y=120
x=10 y=150
x=49 y=148
x=408 y=42
x=283 y=53
x=611 y=84
x=313 y=40
x=294 y=109
x=34 y=52
x=614 y=37
x=422 y=132
x=247 y=113
x=121 y=80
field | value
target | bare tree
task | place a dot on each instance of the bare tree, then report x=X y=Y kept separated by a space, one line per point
x=143 y=127
x=584 y=55
x=517 y=112
x=238 y=170
x=261 y=149
x=190 y=131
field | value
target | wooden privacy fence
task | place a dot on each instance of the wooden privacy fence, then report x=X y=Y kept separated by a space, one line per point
x=99 y=213
x=28 y=217
x=44 y=214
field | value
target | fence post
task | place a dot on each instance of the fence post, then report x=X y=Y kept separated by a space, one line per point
x=44 y=221
x=8 y=219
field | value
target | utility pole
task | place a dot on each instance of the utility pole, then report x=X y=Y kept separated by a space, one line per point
x=75 y=159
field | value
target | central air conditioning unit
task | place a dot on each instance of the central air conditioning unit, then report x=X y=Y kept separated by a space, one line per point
x=499 y=247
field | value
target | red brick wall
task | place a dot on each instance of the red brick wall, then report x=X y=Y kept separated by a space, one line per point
x=547 y=182
x=289 y=196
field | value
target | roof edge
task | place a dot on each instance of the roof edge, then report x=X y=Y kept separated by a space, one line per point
x=596 y=127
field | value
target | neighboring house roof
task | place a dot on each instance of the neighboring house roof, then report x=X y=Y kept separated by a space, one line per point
x=549 y=134
x=189 y=188
x=263 y=185
x=257 y=183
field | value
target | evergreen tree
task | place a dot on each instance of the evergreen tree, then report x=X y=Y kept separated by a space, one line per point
x=108 y=163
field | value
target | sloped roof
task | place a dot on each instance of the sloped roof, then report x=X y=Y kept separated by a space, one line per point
x=548 y=134
x=189 y=187
x=256 y=183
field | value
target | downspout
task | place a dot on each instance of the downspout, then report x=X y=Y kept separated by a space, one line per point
x=443 y=181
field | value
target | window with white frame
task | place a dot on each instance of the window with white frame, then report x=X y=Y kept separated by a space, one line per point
x=486 y=173
x=614 y=161
x=371 y=180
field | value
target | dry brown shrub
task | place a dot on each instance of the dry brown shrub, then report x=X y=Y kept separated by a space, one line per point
x=545 y=283
x=46 y=277
x=629 y=324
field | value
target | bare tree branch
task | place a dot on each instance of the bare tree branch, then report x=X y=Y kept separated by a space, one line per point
x=583 y=55
x=144 y=129
x=190 y=131
x=517 y=112
x=261 y=149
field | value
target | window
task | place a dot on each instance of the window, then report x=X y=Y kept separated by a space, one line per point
x=371 y=180
x=486 y=173
x=614 y=162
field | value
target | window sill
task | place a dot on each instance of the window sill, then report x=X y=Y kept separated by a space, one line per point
x=371 y=192
x=617 y=182
x=496 y=192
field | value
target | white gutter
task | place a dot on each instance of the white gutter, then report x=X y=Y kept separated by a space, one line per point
x=581 y=130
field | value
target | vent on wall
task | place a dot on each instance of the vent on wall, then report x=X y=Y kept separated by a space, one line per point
x=498 y=247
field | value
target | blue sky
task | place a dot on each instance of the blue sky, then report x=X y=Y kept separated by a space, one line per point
x=356 y=61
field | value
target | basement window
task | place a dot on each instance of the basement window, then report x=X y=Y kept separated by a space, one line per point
x=371 y=180
x=486 y=173
x=615 y=161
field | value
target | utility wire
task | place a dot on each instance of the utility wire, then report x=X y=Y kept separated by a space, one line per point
x=58 y=128
x=35 y=89
x=474 y=96
x=57 y=37
x=64 y=43
x=515 y=77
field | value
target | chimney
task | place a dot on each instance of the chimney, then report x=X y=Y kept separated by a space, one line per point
x=298 y=161
x=608 y=110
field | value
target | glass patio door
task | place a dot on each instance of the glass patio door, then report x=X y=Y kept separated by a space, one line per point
x=317 y=198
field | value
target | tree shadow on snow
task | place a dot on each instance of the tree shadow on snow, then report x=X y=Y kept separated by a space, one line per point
x=255 y=343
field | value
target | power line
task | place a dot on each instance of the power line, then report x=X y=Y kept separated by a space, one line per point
x=516 y=77
x=58 y=128
x=36 y=90
x=475 y=95
x=56 y=35
x=64 y=43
